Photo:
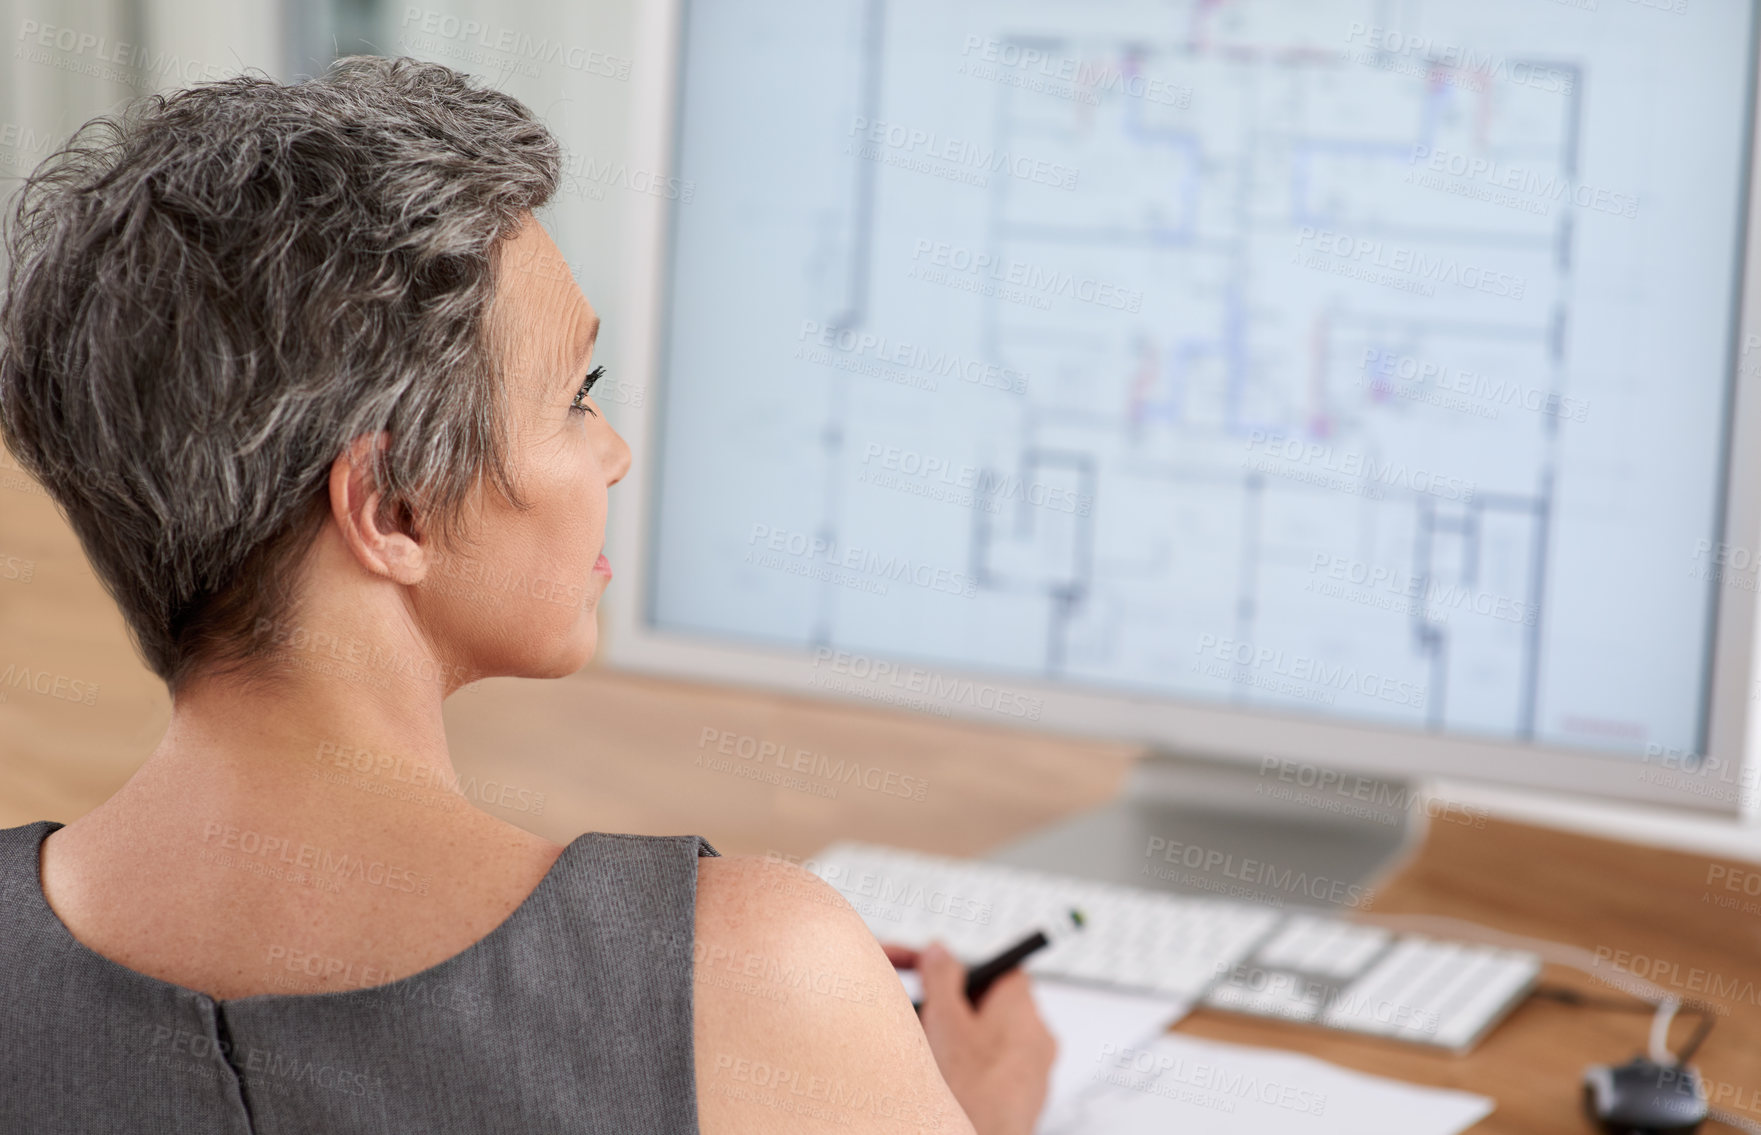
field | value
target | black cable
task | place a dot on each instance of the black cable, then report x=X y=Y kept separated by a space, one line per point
x=1699 y=1036
x=1637 y=1005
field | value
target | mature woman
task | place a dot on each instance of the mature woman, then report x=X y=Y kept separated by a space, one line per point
x=299 y=364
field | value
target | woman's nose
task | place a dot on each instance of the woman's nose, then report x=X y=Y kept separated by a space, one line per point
x=618 y=460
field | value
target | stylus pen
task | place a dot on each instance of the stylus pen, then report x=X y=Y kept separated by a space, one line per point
x=982 y=976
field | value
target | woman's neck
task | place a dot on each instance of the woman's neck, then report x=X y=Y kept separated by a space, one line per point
x=311 y=755
x=307 y=819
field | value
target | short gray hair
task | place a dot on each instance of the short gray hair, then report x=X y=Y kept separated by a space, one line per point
x=210 y=294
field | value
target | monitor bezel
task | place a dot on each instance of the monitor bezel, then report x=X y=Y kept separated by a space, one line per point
x=1197 y=728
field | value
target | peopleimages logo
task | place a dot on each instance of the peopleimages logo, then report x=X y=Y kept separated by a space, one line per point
x=1727 y=555
x=1431 y=595
x=475 y=34
x=405 y=770
x=1315 y=671
x=1478 y=67
x=1729 y=564
x=1488 y=394
x=1549 y=188
x=1258 y=873
x=22 y=148
x=588 y=178
x=1299 y=457
x=1106 y=77
x=840 y=770
x=1379 y=798
x=804 y=550
x=1034 y=279
x=991 y=485
x=913 y=142
x=1204 y=1083
x=48 y=684
x=262 y=1069
x=1364 y=257
x=139 y=66
x=1672 y=975
x=939 y=689
x=1700 y=774
x=881 y=348
x=358 y=652
x=344 y=866
x=1329 y=997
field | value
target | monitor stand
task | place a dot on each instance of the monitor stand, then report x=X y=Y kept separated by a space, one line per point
x=1285 y=833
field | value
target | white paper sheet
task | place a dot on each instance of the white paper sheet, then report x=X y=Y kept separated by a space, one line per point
x=1087 y=1023
x=1201 y=1087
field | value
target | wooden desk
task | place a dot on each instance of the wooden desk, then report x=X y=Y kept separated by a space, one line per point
x=1586 y=892
x=620 y=753
x=987 y=786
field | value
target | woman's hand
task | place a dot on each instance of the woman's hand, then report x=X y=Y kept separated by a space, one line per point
x=996 y=1058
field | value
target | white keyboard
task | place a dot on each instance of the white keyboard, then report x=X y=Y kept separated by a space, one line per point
x=1237 y=956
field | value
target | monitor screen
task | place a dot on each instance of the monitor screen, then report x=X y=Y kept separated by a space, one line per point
x=1365 y=361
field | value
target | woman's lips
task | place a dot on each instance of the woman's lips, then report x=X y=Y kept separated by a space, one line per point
x=603 y=565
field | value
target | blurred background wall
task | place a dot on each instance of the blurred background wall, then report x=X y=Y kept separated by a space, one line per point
x=72 y=59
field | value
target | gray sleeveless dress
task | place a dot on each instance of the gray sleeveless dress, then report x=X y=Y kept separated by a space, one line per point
x=573 y=1015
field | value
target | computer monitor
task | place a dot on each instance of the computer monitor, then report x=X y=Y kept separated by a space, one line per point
x=1351 y=383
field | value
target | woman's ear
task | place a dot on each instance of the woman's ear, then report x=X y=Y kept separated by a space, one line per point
x=382 y=535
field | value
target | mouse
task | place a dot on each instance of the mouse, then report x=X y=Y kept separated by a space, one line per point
x=1643 y=1097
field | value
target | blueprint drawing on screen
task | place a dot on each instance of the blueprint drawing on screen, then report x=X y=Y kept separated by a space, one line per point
x=1352 y=359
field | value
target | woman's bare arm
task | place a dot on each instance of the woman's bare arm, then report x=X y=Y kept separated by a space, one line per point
x=800 y=1023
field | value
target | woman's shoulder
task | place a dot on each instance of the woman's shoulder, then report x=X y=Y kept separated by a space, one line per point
x=773 y=908
x=768 y=881
x=797 y=1010
x=772 y=911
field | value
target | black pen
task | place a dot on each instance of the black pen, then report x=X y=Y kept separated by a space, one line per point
x=982 y=976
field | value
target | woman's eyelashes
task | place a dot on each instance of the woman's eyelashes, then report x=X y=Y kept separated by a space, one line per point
x=578 y=404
